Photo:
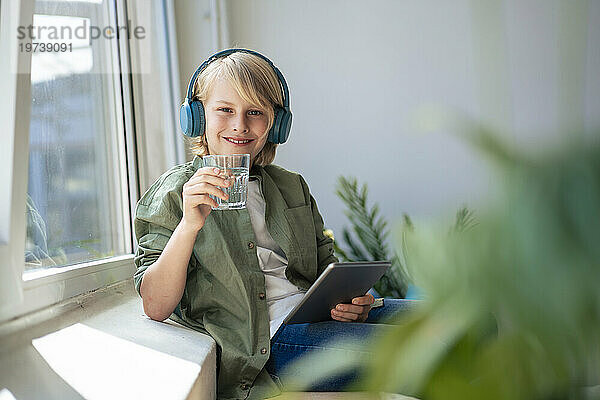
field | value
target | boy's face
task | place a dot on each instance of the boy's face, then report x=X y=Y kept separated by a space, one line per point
x=230 y=119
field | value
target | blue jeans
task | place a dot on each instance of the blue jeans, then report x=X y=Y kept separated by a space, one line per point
x=293 y=341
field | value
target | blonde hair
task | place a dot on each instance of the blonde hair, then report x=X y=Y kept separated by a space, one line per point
x=254 y=80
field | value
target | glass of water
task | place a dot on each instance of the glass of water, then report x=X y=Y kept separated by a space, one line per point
x=235 y=167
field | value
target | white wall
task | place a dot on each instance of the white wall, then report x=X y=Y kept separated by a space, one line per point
x=358 y=71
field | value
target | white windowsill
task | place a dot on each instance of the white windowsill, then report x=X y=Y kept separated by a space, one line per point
x=114 y=319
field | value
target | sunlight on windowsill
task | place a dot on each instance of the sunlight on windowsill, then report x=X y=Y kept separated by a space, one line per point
x=98 y=365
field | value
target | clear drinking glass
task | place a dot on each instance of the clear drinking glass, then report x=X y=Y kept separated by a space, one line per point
x=237 y=168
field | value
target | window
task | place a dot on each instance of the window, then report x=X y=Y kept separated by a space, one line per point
x=75 y=133
x=77 y=185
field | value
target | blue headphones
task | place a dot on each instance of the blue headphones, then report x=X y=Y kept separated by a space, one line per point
x=192 y=117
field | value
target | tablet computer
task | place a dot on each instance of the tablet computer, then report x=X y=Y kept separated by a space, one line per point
x=339 y=283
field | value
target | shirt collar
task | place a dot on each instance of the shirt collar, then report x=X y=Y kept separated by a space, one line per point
x=256 y=172
x=197 y=163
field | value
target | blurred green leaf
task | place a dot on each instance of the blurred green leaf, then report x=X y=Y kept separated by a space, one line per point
x=512 y=307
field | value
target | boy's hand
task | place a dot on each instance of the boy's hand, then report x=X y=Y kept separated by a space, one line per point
x=358 y=311
x=196 y=201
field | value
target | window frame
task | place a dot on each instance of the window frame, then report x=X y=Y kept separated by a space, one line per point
x=14 y=111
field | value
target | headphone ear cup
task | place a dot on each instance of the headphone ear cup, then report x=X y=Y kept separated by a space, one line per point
x=191 y=118
x=274 y=132
x=286 y=126
x=282 y=123
x=198 y=118
x=185 y=119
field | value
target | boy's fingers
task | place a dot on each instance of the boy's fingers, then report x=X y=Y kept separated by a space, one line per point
x=204 y=188
x=336 y=315
x=350 y=308
x=368 y=299
x=348 y=315
x=208 y=171
x=212 y=179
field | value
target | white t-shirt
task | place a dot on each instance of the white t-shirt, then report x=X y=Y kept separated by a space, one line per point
x=282 y=295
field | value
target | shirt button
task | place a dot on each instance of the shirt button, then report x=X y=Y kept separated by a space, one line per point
x=263 y=351
x=250 y=245
x=261 y=296
x=244 y=386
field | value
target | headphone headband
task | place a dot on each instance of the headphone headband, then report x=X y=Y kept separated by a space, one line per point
x=225 y=53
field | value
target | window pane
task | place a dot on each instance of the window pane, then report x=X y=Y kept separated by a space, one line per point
x=75 y=207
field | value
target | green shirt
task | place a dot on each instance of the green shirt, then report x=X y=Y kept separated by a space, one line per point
x=225 y=294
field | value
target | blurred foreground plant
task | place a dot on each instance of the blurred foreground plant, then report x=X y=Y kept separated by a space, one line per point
x=512 y=307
